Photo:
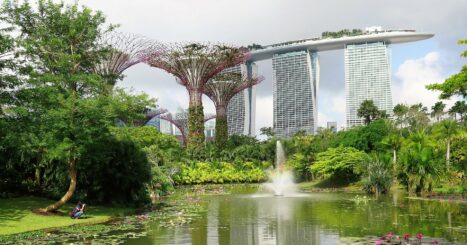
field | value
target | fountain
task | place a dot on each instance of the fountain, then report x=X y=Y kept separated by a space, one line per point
x=280 y=180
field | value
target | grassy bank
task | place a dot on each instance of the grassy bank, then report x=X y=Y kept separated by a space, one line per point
x=16 y=215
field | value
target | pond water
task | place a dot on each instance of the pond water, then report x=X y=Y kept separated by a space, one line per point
x=245 y=217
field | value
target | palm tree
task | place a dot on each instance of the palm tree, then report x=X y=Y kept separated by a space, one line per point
x=419 y=162
x=394 y=141
x=438 y=110
x=447 y=129
x=369 y=111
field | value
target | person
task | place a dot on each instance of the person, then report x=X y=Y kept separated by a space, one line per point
x=78 y=211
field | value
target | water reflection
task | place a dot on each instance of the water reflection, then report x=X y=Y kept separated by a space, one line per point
x=310 y=219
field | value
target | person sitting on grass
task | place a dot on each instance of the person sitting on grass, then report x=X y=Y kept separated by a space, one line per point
x=78 y=211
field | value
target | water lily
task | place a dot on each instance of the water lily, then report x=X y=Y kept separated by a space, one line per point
x=434 y=242
x=398 y=237
x=406 y=237
x=389 y=235
x=378 y=242
x=419 y=236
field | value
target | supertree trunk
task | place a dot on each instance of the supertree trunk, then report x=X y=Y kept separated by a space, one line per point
x=195 y=143
x=222 y=133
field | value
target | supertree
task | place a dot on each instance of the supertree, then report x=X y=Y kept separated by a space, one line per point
x=150 y=114
x=221 y=89
x=181 y=122
x=126 y=50
x=193 y=64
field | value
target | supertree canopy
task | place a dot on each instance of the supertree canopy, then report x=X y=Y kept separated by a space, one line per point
x=181 y=122
x=150 y=114
x=193 y=64
x=126 y=50
x=221 y=89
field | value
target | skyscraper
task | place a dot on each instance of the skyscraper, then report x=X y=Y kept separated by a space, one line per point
x=295 y=85
x=241 y=109
x=367 y=77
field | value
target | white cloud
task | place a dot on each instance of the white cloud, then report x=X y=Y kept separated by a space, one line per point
x=414 y=75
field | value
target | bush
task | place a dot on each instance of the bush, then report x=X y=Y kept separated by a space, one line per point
x=378 y=175
x=219 y=172
x=340 y=162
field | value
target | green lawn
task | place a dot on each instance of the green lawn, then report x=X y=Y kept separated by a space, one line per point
x=16 y=215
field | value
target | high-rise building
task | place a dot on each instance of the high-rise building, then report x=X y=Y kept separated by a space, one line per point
x=367 y=77
x=295 y=85
x=332 y=126
x=242 y=107
x=209 y=129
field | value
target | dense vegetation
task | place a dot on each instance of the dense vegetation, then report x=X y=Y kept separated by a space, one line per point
x=64 y=136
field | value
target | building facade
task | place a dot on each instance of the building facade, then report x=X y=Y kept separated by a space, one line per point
x=295 y=86
x=242 y=108
x=367 y=77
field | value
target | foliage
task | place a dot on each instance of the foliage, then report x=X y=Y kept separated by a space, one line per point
x=267 y=131
x=222 y=131
x=420 y=162
x=196 y=131
x=459 y=108
x=345 y=162
x=129 y=108
x=456 y=85
x=377 y=175
x=437 y=110
x=220 y=172
x=400 y=112
x=342 y=33
x=370 y=112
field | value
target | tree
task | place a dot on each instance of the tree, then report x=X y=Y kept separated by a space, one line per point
x=438 y=110
x=193 y=64
x=221 y=89
x=459 y=108
x=417 y=117
x=394 y=141
x=456 y=85
x=346 y=162
x=60 y=46
x=447 y=130
x=369 y=111
x=132 y=109
x=420 y=162
x=377 y=175
x=7 y=81
x=267 y=131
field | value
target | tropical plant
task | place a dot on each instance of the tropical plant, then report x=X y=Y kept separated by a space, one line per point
x=62 y=95
x=400 y=112
x=459 y=108
x=456 y=85
x=420 y=162
x=370 y=112
x=345 y=162
x=447 y=130
x=377 y=177
x=437 y=110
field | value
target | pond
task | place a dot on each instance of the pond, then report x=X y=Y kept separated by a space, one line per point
x=242 y=216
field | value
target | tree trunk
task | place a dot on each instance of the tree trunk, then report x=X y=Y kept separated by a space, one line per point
x=71 y=189
x=448 y=154
x=222 y=131
x=196 y=140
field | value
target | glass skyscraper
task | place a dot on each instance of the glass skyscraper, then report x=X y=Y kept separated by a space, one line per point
x=242 y=107
x=367 y=77
x=295 y=86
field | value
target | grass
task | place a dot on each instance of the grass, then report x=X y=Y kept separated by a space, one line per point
x=16 y=215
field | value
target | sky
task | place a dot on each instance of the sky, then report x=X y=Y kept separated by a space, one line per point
x=243 y=22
